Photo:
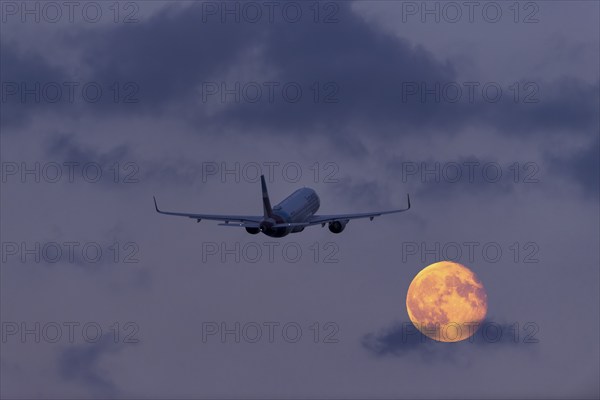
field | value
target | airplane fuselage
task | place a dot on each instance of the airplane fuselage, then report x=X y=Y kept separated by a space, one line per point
x=297 y=207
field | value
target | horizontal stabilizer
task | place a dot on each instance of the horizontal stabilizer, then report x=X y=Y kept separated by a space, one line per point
x=291 y=225
x=241 y=224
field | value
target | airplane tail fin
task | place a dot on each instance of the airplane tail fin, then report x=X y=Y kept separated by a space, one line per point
x=267 y=210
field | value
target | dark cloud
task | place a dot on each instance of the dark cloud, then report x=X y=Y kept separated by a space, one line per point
x=566 y=103
x=167 y=55
x=68 y=147
x=363 y=75
x=21 y=71
x=583 y=167
x=33 y=87
x=346 y=54
x=366 y=193
x=471 y=175
x=349 y=73
x=80 y=364
x=438 y=179
x=403 y=339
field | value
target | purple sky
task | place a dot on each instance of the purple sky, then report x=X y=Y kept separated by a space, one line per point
x=187 y=91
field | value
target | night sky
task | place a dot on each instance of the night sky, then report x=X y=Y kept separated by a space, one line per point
x=487 y=113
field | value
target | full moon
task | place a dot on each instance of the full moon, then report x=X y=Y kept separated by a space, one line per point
x=446 y=302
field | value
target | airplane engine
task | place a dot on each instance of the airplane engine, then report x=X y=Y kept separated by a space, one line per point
x=337 y=226
x=253 y=231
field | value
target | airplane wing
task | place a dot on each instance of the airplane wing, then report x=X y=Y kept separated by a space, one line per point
x=253 y=221
x=247 y=221
x=323 y=219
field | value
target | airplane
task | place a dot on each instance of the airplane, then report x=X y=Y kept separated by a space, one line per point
x=292 y=215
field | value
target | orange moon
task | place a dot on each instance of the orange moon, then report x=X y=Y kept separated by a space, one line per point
x=446 y=302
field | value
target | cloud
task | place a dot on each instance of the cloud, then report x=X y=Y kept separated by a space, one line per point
x=403 y=339
x=67 y=147
x=583 y=167
x=338 y=67
x=346 y=53
x=350 y=73
x=20 y=73
x=81 y=364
